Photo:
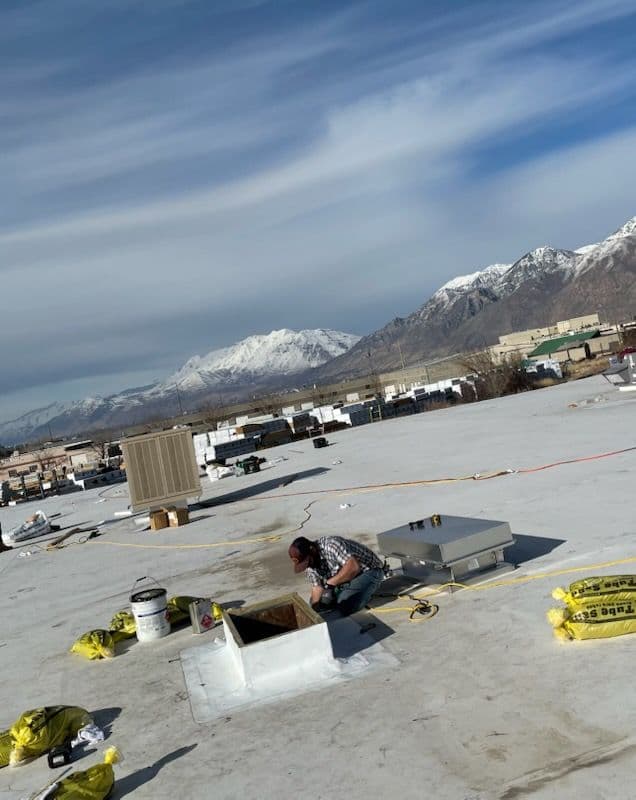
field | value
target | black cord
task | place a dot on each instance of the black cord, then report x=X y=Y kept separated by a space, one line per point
x=91 y=535
x=424 y=608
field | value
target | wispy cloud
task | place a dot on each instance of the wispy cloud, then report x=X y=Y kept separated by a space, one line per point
x=337 y=159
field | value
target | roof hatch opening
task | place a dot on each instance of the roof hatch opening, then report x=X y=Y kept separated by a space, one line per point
x=266 y=620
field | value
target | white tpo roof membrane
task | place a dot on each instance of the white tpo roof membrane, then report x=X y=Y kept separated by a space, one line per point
x=483 y=703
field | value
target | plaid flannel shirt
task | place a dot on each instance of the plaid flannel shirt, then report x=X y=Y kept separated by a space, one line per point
x=334 y=554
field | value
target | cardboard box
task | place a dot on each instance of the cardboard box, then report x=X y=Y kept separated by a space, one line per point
x=178 y=517
x=158 y=520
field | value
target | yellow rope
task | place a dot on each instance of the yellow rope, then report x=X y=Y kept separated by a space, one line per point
x=536 y=577
x=256 y=540
x=415 y=615
x=273 y=537
x=496 y=584
x=379 y=487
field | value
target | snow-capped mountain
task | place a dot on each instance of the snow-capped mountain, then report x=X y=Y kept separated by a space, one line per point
x=628 y=229
x=278 y=353
x=536 y=264
x=254 y=362
x=486 y=277
x=467 y=296
x=470 y=311
x=616 y=249
x=16 y=430
x=467 y=312
x=80 y=416
x=504 y=279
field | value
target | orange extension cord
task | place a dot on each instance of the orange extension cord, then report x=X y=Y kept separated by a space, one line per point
x=433 y=481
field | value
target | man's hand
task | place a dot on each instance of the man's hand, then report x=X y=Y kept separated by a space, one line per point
x=316 y=595
x=346 y=573
x=322 y=597
x=328 y=597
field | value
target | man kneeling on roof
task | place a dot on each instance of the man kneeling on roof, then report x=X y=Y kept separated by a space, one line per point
x=343 y=573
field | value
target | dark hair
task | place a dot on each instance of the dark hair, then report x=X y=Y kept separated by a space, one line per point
x=303 y=545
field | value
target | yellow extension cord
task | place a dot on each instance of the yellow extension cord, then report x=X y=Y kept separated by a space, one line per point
x=255 y=540
x=274 y=537
x=420 y=602
x=494 y=585
x=367 y=488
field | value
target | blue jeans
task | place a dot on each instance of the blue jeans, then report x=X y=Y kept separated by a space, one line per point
x=354 y=595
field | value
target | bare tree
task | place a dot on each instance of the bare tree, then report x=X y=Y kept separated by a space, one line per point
x=100 y=444
x=628 y=338
x=45 y=458
x=495 y=379
x=212 y=412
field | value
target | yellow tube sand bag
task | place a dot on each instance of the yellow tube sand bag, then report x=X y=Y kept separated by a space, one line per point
x=6 y=745
x=36 y=731
x=94 y=783
x=599 y=620
x=618 y=588
x=178 y=608
x=122 y=626
x=95 y=644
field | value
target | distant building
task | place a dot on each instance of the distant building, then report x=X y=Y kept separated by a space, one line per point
x=524 y=342
x=577 y=346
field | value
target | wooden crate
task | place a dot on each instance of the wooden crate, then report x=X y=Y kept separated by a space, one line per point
x=158 y=520
x=178 y=517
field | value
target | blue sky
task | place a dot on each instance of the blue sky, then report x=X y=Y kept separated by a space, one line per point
x=179 y=175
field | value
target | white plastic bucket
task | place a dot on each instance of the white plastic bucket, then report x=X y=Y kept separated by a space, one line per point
x=149 y=608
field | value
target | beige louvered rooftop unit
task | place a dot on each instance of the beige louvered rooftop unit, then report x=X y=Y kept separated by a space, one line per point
x=161 y=469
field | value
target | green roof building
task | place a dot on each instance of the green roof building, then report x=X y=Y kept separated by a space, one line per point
x=560 y=343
